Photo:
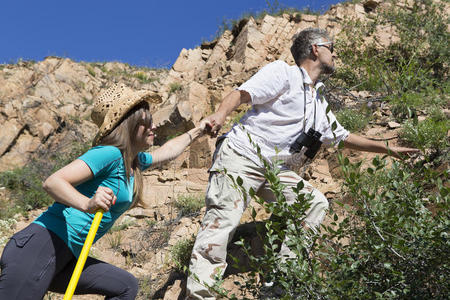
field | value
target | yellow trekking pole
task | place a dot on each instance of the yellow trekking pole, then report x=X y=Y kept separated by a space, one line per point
x=83 y=256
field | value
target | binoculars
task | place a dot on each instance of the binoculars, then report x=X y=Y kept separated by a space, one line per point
x=310 y=140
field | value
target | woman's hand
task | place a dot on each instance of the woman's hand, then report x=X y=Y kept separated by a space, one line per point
x=171 y=149
x=103 y=199
x=203 y=126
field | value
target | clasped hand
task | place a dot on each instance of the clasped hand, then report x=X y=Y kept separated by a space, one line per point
x=103 y=199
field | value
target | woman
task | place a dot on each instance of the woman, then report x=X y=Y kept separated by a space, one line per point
x=42 y=256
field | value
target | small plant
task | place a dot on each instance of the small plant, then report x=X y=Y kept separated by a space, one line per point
x=5 y=227
x=144 y=78
x=181 y=253
x=174 y=87
x=189 y=205
x=91 y=71
x=122 y=226
x=115 y=240
x=150 y=223
x=146 y=288
x=430 y=133
x=80 y=85
x=352 y=120
x=75 y=118
x=87 y=101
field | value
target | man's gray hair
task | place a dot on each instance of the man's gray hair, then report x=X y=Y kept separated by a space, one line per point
x=303 y=41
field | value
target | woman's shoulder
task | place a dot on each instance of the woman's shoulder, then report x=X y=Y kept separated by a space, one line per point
x=102 y=158
x=106 y=149
x=104 y=152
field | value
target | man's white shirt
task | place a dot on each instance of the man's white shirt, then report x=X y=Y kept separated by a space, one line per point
x=276 y=117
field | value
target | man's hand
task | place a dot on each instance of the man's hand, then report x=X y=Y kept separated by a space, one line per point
x=214 y=123
x=103 y=199
x=402 y=152
x=357 y=142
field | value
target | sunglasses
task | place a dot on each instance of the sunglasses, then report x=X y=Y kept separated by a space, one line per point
x=324 y=45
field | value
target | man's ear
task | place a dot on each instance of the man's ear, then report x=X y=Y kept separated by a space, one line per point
x=314 y=52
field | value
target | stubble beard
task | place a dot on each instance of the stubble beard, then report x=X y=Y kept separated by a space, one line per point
x=327 y=69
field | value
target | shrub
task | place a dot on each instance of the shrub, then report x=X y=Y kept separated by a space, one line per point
x=430 y=133
x=144 y=78
x=5 y=227
x=391 y=242
x=352 y=120
x=115 y=240
x=91 y=71
x=174 y=86
x=25 y=183
x=181 y=253
x=396 y=234
x=414 y=63
x=189 y=205
x=406 y=105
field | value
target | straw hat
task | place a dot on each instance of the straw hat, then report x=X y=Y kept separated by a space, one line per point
x=113 y=104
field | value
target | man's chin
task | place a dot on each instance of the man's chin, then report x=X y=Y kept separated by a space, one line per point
x=327 y=69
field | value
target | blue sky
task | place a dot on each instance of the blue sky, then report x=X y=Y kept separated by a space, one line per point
x=139 y=32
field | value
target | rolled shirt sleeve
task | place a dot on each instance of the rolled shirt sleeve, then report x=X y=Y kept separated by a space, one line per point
x=145 y=160
x=268 y=83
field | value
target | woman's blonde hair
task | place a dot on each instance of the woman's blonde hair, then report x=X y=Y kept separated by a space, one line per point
x=123 y=136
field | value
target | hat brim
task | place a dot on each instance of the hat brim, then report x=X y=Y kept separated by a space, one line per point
x=119 y=110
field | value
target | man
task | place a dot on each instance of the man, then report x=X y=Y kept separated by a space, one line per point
x=286 y=105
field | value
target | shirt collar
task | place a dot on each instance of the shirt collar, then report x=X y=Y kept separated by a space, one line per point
x=307 y=80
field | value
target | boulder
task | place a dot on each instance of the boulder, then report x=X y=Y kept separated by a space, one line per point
x=250 y=50
x=20 y=152
x=10 y=131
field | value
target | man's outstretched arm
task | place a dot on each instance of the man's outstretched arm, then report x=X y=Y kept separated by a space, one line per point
x=357 y=142
x=228 y=105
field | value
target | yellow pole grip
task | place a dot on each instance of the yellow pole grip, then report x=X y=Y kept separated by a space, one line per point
x=83 y=256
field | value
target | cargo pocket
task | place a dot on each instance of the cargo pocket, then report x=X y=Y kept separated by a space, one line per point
x=21 y=239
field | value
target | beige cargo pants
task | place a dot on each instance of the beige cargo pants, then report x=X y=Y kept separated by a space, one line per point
x=224 y=208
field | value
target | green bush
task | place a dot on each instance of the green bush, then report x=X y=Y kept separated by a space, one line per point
x=189 y=205
x=406 y=105
x=174 y=87
x=417 y=61
x=352 y=120
x=388 y=238
x=397 y=233
x=25 y=183
x=91 y=71
x=144 y=78
x=181 y=253
x=430 y=133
